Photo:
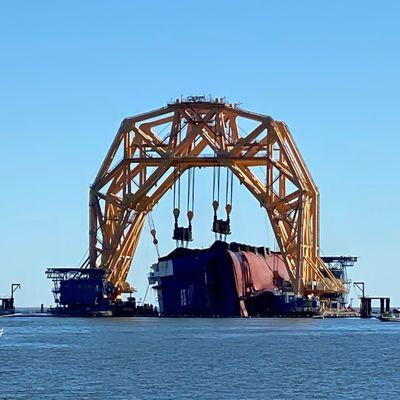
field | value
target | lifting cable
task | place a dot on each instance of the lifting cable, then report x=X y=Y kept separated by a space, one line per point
x=229 y=186
x=228 y=194
x=175 y=194
x=189 y=181
x=193 y=176
x=153 y=232
x=190 y=189
x=174 y=190
x=215 y=200
x=190 y=201
x=216 y=182
x=84 y=259
x=145 y=295
x=177 y=188
x=213 y=192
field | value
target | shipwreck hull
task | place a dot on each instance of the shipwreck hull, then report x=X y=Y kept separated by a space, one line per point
x=226 y=280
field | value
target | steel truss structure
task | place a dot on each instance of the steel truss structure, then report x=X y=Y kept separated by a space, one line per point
x=141 y=166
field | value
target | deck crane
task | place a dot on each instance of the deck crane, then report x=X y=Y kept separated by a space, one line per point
x=142 y=165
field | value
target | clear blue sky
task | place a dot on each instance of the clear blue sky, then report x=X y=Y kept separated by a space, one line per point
x=71 y=71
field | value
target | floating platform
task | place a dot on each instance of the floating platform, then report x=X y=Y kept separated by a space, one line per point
x=7 y=306
x=85 y=292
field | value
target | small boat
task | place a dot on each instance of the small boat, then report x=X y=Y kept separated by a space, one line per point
x=1 y=331
x=388 y=318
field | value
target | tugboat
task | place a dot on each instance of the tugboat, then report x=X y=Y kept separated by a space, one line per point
x=390 y=316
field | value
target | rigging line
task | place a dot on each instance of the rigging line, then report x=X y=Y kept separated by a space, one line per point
x=145 y=295
x=174 y=195
x=182 y=126
x=179 y=136
x=241 y=129
x=213 y=195
x=151 y=220
x=179 y=187
x=193 y=174
x=231 y=200
x=152 y=225
x=262 y=171
x=227 y=185
x=218 y=182
x=83 y=257
x=189 y=181
x=162 y=130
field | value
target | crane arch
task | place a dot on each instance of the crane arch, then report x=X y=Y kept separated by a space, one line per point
x=152 y=150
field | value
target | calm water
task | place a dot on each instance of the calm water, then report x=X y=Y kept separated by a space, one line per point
x=53 y=358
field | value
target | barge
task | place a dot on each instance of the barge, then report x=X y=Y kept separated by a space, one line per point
x=86 y=292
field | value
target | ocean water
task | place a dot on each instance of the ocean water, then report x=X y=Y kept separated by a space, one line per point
x=151 y=358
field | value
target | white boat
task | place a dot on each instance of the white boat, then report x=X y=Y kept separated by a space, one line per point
x=388 y=318
x=1 y=331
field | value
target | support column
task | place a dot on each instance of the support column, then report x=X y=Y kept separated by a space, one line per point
x=388 y=305
x=92 y=229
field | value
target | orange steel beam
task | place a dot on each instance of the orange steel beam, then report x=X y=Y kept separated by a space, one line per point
x=141 y=166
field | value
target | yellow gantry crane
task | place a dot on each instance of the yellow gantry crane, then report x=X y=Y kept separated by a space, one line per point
x=141 y=166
